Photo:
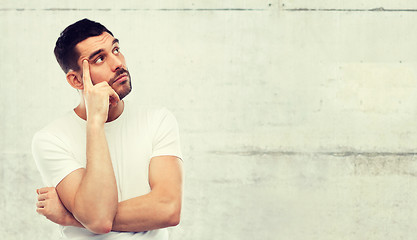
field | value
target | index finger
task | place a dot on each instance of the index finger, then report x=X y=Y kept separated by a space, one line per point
x=86 y=75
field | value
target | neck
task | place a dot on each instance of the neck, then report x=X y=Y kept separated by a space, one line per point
x=114 y=111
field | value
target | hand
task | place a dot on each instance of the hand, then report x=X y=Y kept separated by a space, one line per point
x=51 y=207
x=98 y=97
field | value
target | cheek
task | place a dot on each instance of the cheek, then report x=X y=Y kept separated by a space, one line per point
x=97 y=76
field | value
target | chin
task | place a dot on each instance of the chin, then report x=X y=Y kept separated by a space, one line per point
x=124 y=88
x=124 y=92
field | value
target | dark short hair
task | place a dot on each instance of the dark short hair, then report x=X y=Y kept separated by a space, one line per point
x=65 y=52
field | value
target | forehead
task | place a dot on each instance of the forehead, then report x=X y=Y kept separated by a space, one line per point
x=92 y=44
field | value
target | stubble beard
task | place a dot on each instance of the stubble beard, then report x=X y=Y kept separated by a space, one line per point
x=125 y=90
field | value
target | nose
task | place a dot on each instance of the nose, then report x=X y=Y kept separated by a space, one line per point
x=115 y=63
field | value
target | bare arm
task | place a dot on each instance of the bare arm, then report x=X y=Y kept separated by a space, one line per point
x=161 y=207
x=91 y=194
x=158 y=209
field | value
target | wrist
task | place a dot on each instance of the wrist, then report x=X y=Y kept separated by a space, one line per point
x=95 y=124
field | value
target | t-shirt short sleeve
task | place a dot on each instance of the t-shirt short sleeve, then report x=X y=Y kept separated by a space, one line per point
x=166 y=135
x=52 y=158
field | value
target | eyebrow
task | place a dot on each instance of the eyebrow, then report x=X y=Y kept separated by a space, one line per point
x=101 y=50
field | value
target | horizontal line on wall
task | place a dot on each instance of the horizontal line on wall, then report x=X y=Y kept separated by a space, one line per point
x=334 y=154
x=213 y=9
x=349 y=10
x=132 y=9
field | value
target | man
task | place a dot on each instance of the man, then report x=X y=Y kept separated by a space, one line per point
x=113 y=169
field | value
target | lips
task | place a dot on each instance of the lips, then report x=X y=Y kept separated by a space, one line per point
x=121 y=78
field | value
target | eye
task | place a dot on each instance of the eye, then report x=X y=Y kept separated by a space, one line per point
x=116 y=50
x=99 y=59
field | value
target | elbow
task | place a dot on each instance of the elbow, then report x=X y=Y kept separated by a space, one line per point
x=174 y=215
x=174 y=220
x=100 y=227
x=97 y=223
x=98 y=220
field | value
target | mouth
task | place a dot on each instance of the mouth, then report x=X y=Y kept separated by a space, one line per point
x=121 y=78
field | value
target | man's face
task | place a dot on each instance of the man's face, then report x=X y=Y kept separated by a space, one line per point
x=106 y=62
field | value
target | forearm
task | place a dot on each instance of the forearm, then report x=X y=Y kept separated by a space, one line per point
x=161 y=207
x=71 y=221
x=140 y=214
x=146 y=213
x=95 y=203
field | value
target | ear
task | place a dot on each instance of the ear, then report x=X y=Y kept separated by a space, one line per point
x=74 y=79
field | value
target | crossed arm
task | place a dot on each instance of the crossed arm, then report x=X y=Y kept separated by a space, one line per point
x=158 y=209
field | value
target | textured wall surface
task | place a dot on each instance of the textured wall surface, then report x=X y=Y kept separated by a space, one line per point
x=297 y=118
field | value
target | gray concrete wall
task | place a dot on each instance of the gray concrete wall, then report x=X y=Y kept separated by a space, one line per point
x=297 y=118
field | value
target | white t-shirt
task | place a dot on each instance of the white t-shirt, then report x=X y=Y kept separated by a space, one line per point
x=133 y=139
